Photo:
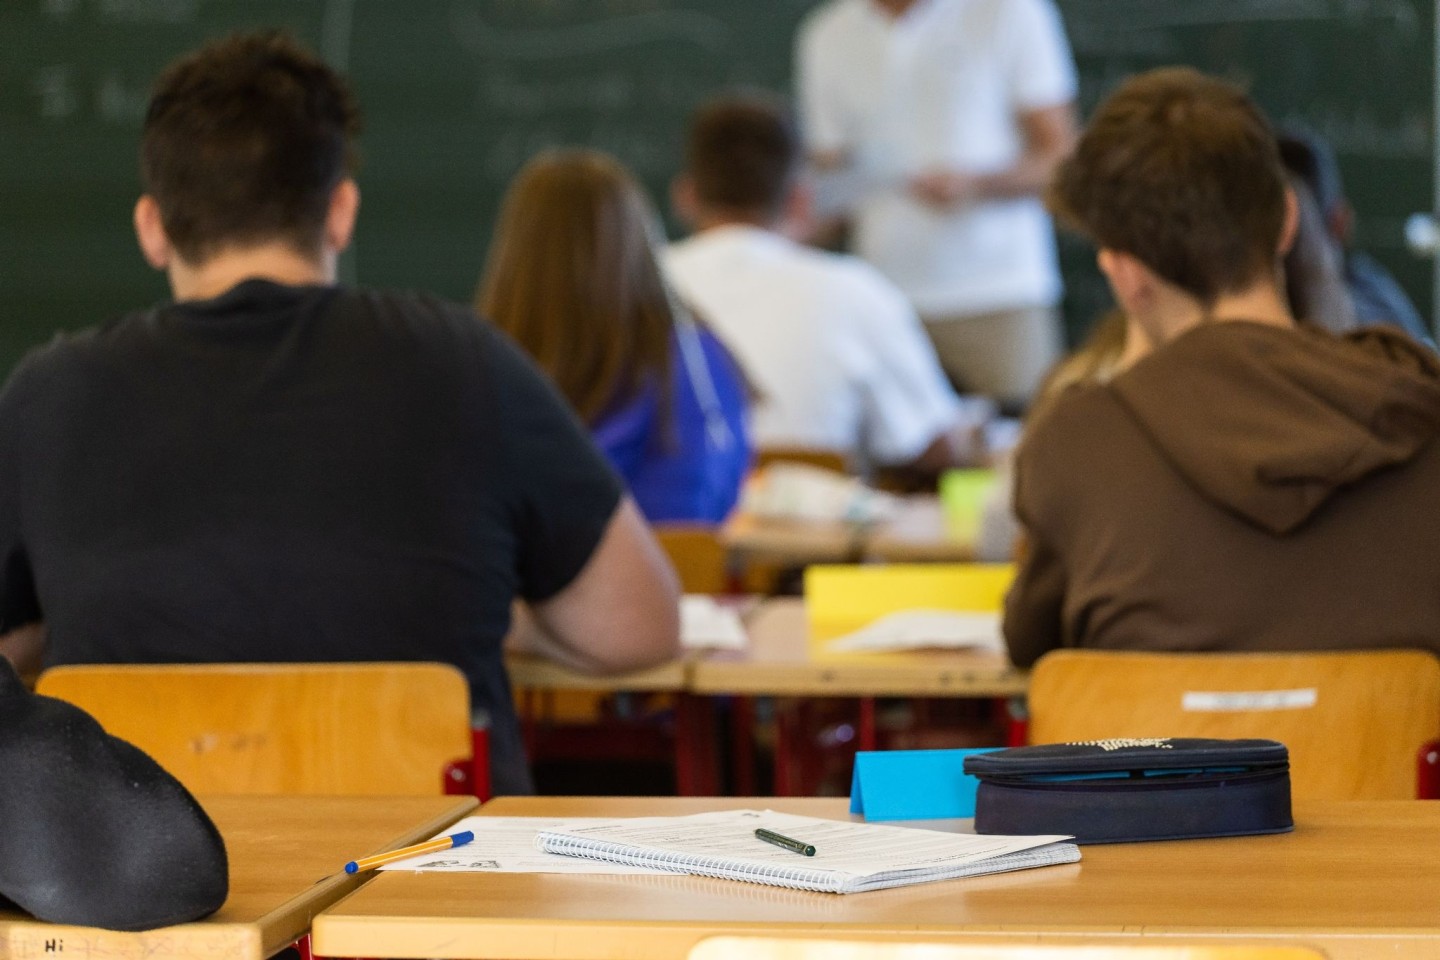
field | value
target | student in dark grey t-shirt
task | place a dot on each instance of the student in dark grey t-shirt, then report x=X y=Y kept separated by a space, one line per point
x=274 y=468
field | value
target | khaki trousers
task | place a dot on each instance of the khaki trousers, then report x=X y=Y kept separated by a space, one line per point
x=1004 y=354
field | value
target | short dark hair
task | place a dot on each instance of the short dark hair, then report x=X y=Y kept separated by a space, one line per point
x=244 y=142
x=742 y=152
x=1180 y=171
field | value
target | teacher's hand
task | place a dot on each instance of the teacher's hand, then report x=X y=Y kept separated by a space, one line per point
x=945 y=189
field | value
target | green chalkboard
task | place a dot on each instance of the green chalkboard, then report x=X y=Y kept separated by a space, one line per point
x=458 y=93
x=1358 y=72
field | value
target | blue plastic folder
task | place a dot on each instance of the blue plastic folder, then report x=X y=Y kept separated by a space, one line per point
x=913 y=784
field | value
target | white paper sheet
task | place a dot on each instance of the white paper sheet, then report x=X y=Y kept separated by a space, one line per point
x=921 y=629
x=507 y=845
x=707 y=625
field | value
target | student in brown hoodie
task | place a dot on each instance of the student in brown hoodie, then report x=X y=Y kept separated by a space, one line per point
x=1247 y=485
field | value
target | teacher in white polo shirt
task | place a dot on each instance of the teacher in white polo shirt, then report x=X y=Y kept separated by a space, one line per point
x=949 y=117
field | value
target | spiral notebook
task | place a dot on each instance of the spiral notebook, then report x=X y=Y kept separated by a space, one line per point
x=849 y=857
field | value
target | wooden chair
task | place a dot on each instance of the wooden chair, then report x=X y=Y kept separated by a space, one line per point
x=699 y=560
x=698 y=556
x=1353 y=721
x=775 y=948
x=565 y=726
x=308 y=728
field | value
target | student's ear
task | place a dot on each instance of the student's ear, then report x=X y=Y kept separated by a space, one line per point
x=683 y=199
x=150 y=233
x=340 y=218
x=1290 y=227
x=1129 y=279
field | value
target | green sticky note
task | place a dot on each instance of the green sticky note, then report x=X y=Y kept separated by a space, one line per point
x=962 y=496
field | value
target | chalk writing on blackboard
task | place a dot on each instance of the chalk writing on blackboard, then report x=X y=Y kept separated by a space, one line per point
x=670 y=27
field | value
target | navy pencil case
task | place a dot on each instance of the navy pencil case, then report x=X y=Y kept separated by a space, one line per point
x=1116 y=791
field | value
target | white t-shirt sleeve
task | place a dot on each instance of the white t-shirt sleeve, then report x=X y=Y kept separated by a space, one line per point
x=907 y=400
x=820 y=111
x=1041 y=68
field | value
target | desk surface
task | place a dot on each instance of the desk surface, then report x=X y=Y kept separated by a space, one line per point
x=1360 y=880
x=920 y=533
x=542 y=674
x=286 y=863
x=917 y=533
x=792 y=542
x=779 y=662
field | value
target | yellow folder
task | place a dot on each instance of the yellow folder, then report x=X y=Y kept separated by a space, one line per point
x=840 y=599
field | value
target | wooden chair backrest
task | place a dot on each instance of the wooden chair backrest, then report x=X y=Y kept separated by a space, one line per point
x=698 y=556
x=317 y=728
x=811 y=456
x=776 y=948
x=1353 y=722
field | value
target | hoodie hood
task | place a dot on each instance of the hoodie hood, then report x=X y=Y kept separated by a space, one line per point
x=1269 y=422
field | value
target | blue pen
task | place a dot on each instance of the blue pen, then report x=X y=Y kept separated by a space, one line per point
x=429 y=846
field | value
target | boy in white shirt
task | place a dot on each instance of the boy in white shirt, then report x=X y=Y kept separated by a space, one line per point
x=836 y=352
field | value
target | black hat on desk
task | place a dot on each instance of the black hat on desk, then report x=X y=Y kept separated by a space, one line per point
x=92 y=831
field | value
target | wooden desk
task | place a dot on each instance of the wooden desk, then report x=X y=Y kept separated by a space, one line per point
x=917 y=533
x=791 y=542
x=286 y=863
x=538 y=673
x=1359 y=880
x=920 y=533
x=696 y=774
x=781 y=662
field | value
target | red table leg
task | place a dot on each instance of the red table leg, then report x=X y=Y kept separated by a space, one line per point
x=742 y=745
x=868 y=738
x=696 y=766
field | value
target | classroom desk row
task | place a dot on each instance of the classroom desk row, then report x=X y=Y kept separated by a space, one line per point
x=919 y=532
x=780 y=662
x=1357 y=880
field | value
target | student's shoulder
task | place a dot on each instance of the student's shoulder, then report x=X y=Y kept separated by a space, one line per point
x=422 y=321
x=718 y=355
x=1066 y=425
x=69 y=352
x=858 y=274
x=828 y=19
x=865 y=292
x=841 y=270
x=405 y=309
x=689 y=255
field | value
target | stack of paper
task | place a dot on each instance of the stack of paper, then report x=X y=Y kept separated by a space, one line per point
x=708 y=625
x=797 y=491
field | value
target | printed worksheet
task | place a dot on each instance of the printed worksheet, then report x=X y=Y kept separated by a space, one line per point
x=708 y=625
x=507 y=845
